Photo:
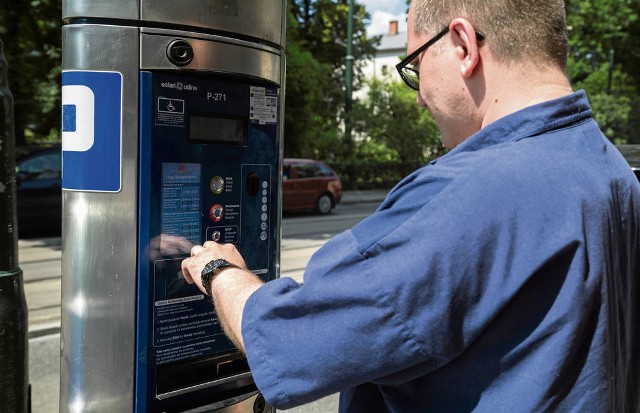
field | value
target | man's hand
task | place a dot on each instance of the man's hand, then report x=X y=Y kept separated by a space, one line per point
x=230 y=289
x=201 y=255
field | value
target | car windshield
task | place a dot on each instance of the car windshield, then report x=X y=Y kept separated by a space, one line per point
x=44 y=165
x=312 y=170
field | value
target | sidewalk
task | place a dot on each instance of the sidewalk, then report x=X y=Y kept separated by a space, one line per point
x=360 y=196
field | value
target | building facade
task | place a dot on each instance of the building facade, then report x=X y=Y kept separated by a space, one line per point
x=393 y=46
x=391 y=49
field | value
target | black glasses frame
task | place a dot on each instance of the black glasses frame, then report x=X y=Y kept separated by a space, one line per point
x=403 y=65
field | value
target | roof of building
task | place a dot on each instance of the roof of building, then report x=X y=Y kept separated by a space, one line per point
x=393 y=42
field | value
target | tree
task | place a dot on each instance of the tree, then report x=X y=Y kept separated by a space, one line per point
x=309 y=115
x=310 y=90
x=316 y=49
x=390 y=119
x=599 y=32
x=31 y=32
x=320 y=28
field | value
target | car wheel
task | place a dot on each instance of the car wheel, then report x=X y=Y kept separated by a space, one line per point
x=324 y=204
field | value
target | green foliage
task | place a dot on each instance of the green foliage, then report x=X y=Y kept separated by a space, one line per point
x=320 y=27
x=604 y=36
x=31 y=32
x=307 y=110
x=612 y=114
x=604 y=54
x=390 y=119
x=363 y=173
x=315 y=99
x=394 y=136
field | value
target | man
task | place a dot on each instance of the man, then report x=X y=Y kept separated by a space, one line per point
x=502 y=277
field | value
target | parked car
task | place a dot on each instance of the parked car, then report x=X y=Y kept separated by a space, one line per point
x=309 y=185
x=39 y=189
x=632 y=154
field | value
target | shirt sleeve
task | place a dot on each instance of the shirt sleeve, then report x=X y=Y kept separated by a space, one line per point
x=306 y=342
x=406 y=302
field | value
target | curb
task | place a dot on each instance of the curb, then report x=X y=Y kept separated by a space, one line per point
x=373 y=195
x=43 y=329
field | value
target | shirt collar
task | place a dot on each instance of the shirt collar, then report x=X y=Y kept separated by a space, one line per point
x=531 y=121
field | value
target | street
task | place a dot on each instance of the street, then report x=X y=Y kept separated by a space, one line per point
x=302 y=235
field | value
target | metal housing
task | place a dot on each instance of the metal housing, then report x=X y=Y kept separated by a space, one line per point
x=262 y=20
x=99 y=248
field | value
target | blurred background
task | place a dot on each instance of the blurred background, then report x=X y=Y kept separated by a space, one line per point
x=379 y=135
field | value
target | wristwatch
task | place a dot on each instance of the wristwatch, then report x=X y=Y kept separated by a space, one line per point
x=213 y=268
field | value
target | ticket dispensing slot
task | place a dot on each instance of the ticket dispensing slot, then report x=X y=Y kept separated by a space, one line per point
x=189 y=376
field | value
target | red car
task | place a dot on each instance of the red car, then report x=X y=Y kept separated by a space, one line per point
x=309 y=185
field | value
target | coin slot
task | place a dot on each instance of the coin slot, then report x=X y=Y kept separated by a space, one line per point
x=253 y=184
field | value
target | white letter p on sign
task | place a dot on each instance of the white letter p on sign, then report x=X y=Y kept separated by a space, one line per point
x=78 y=107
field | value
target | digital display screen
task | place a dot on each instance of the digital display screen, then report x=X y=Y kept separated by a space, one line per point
x=218 y=129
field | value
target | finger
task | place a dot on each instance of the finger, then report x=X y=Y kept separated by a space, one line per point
x=209 y=244
x=196 y=250
x=185 y=271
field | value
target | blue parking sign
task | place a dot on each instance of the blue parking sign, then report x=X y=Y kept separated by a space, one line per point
x=92 y=131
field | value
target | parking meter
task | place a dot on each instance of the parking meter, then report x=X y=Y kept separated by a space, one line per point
x=172 y=121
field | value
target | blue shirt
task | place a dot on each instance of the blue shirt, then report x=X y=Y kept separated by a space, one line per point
x=502 y=277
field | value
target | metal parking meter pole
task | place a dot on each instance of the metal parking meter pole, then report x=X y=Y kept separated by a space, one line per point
x=14 y=382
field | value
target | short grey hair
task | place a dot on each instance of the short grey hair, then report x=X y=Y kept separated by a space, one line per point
x=517 y=30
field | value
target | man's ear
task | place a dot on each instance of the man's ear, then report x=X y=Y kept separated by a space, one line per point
x=466 y=44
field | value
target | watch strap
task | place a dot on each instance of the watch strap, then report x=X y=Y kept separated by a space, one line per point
x=213 y=268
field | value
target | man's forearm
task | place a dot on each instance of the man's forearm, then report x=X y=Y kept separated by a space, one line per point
x=230 y=290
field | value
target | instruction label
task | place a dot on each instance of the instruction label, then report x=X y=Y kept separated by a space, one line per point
x=181 y=201
x=170 y=112
x=263 y=104
x=184 y=323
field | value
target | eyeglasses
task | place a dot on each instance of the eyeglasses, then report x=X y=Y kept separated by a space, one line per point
x=411 y=75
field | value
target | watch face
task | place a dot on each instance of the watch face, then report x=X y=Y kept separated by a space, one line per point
x=211 y=270
x=220 y=263
x=213 y=265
